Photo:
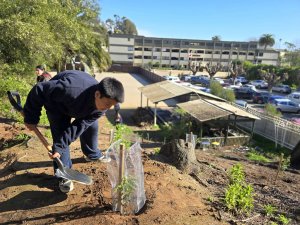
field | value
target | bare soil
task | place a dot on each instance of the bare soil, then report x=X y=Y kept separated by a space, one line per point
x=29 y=193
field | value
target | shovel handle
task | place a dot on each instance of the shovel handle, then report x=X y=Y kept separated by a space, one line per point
x=15 y=101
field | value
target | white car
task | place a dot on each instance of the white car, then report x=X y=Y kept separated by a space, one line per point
x=247 y=88
x=259 y=83
x=286 y=105
x=172 y=78
x=295 y=97
x=221 y=81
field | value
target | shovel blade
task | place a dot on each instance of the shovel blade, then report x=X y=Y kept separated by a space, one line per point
x=70 y=174
x=74 y=176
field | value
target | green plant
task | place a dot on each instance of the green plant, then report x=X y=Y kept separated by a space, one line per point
x=283 y=220
x=256 y=156
x=123 y=133
x=236 y=174
x=126 y=189
x=271 y=110
x=48 y=134
x=22 y=137
x=156 y=151
x=269 y=210
x=238 y=195
x=210 y=199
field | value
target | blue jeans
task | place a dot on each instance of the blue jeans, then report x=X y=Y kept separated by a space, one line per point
x=88 y=139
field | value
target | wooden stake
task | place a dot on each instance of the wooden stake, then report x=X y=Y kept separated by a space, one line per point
x=121 y=175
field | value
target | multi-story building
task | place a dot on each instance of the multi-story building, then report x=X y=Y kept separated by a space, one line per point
x=178 y=53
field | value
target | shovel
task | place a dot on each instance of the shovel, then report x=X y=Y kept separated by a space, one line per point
x=62 y=171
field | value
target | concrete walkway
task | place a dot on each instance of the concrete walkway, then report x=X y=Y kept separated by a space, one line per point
x=131 y=83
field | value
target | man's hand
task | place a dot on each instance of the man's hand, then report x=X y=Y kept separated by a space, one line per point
x=55 y=155
x=30 y=126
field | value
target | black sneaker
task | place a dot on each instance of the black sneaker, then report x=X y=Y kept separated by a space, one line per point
x=65 y=185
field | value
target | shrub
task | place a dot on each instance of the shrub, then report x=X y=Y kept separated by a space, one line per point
x=238 y=195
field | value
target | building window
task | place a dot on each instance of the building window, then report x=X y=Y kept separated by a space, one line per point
x=234 y=53
x=236 y=45
x=209 y=44
x=208 y=52
x=156 y=57
x=252 y=46
x=242 y=53
x=184 y=51
x=217 y=52
x=147 y=57
x=181 y=58
x=138 y=41
x=157 y=42
x=186 y=43
x=244 y=45
x=138 y=49
x=225 y=53
x=130 y=56
x=176 y=42
x=148 y=49
x=251 y=53
x=226 y=45
x=130 y=48
x=148 y=41
x=261 y=54
x=128 y=39
x=167 y=42
x=165 y=58
x=157 y=49
x=165 y=50
x=175 y=50
x=174 y=58
x=218 y=44
x=137 y=56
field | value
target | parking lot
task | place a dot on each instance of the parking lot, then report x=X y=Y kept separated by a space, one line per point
x=245 y=91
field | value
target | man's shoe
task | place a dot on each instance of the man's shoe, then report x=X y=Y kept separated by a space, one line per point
x=102 y=159
x=65 y=185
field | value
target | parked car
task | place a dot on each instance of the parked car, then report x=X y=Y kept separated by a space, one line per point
x=259 y=83
x=260 y=97
x=172 y=78
x=273 y=97
x=185 y=77
x=286 y=105
x=241 y=103
x=200 y=80
x=282 y=88
x=247 y=87
x=221 y=81
x=243 y=94
x=295 y=97
x=241 y=79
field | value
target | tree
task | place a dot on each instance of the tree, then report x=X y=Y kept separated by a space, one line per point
x=194 y=67
x=235 y=68
x=51 y=32
x=290 y=46
x=216 y=38
x=273 y=77
x=266 y=40
x=213 y=69
x=120 y=26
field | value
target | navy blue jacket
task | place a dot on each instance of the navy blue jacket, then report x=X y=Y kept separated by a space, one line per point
x=70 y=93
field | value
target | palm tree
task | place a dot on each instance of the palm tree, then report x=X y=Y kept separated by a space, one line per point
x=266 y=39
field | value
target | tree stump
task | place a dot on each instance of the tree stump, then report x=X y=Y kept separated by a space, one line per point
x=181 y=154
x=295 y=157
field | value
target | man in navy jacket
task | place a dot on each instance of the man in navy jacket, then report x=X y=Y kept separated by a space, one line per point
x=73 y=94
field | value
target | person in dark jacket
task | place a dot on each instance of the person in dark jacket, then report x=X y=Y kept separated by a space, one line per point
x=42 y=75
x=73 y=94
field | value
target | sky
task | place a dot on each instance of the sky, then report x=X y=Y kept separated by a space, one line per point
x=232 y=20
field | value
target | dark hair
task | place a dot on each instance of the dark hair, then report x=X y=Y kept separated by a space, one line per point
x=40 y=67
x=110 y=87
